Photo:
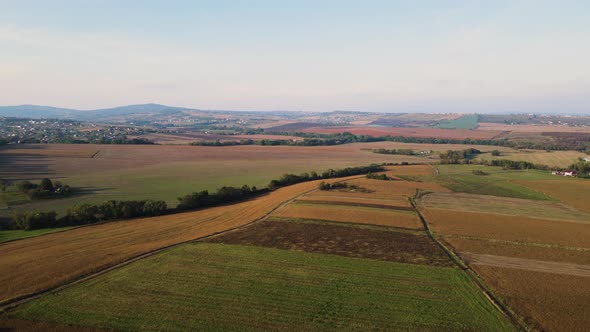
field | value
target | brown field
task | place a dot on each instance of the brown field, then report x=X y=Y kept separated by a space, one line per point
x=503 y=206
x=549 y=158
x=407 y=132
x=573 y=192
x=397 y=189
x=414 y=170
x=487 y=126
x=537 y=251
x=35 y=264
x=549 y=301
x=320 y=237
x=510 y=228
x=526 y=264
x=357 y=204
x=361 y=215
x=333 y=196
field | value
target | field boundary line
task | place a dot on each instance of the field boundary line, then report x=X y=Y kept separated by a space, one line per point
x=487 y=292
x=13 y=303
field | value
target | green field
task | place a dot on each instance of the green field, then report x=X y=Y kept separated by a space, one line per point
x=468 y=121
x=498 y=182
x=10 y=198
x=21 y=234
x=215 y=287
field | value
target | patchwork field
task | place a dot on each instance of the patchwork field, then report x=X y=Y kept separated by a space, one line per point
x=284 y=290
x=50 y=260
x=504 y=206
x=351 y=214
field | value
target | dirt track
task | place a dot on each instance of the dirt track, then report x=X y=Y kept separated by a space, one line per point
x=527 y=264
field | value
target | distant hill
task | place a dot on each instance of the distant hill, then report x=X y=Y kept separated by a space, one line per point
x=45 y=112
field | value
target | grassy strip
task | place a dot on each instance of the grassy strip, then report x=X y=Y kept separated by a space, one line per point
x=228 y=287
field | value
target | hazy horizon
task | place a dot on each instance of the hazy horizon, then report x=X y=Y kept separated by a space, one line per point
x=373 y=56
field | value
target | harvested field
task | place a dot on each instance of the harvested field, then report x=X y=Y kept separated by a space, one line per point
x=326 y=238
x=413 y=170
x=50 y=260
x=357 y=204
x=504 y=206
x=551 y=302
x=406 y=132
x=207 y=286
x=333 y=197
x=394 y=189
x=361 y=215
x=549 y=158
x=510 y=228
x=537 y=251
x=534 y=265
x=572 y=192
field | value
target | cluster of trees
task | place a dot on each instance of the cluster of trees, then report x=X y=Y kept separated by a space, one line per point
x=582 y=167
x=479 y=172
x=84 y=214
x=4 y=141
x=46 y=189
x=458 y=156
x=341 y=185
x=378 y=176
x=243 y=142
x=405 y=152
x=495 y=153
x=202 y=199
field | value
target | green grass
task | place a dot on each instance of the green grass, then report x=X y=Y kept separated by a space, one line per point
x=215 y=287
x=9 y=198
x=498 y=182
x=468 y=121
x=20 y=234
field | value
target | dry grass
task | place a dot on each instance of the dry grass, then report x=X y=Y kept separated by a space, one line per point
x=551 y=302
x=361 y=215
x=573 y=192
x=39 y=263
x=504 y=206
x=510 y=228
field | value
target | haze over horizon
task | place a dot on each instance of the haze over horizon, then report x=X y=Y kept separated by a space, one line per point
x=402 y=56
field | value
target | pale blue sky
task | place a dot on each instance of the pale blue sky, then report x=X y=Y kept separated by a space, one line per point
x=433 y=56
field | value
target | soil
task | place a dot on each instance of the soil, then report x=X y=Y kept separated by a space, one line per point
x=374 y=243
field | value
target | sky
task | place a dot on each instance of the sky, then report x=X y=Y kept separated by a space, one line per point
x=319 y=55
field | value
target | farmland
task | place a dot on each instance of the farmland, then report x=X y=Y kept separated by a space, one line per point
x=50 y=260
x=550 y=158
x=407 y=132
x=284 y=290
x=352 y=214
x=529 y=252
x=464 y=122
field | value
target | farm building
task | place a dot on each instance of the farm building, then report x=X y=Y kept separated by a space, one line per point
x=565 y=173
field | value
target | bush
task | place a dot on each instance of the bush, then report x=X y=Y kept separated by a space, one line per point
x=495 y=153
x=479 y=172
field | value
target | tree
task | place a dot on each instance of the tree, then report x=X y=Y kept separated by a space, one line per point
x=495 y=153
x=46 y=184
